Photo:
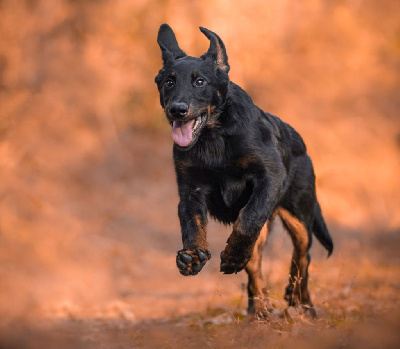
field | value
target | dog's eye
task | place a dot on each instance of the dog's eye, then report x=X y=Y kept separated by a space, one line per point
x=169 y=83
x=199 y=82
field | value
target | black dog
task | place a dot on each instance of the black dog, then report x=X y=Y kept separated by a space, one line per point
x=239 y=164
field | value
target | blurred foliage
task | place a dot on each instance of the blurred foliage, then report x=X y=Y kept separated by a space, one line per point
x=74 y=72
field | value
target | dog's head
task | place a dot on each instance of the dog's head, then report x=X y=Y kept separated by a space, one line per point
x=192 y=90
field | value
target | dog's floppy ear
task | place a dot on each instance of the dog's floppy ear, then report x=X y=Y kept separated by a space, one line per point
x=169 y=46
x=217 y=51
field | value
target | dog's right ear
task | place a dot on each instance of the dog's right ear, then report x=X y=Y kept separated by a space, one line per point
x=169 y=46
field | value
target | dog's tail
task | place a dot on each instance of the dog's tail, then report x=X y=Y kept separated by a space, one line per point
x=320 y=230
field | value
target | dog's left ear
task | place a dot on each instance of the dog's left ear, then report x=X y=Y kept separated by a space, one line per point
x=217 y=51
x=168 y=44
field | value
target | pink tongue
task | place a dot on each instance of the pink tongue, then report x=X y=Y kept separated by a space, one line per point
x=182 y=132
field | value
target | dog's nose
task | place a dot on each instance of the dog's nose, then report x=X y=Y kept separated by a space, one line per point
x=179 y=109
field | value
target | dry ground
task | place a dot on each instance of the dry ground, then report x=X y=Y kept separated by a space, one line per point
x=117 y=286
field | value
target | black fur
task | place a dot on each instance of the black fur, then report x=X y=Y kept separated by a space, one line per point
x=242 y=166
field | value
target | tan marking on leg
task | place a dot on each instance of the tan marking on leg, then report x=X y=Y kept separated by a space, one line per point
x=201 y=238
x=258 y=302
x=297 y=229
x=254 y=261
x=300 y=261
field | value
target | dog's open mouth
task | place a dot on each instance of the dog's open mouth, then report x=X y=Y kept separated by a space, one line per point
x=185 y=133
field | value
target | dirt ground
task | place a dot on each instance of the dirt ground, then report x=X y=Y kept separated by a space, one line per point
x=88 y=201
x=123 y=289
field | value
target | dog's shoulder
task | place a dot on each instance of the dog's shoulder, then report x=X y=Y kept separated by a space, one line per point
x=285 y=133
x=249 y=119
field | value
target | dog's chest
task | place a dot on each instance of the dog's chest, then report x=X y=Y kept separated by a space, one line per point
x=227 y=196
x=235 y=191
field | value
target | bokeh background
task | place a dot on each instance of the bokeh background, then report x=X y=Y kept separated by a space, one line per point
x=88 y=223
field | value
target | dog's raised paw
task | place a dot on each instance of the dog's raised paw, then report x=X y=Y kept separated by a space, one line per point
x=190 y=262
x=231 y=265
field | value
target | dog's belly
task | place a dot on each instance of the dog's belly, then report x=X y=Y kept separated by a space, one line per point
x=227 y=199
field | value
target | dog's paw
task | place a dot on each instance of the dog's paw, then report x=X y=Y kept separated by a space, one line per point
x=300 y=312
x=261 y=308
x=190 y=262
x=302 y=306
x=233 y=263
x=309 y=311
x=290 y=296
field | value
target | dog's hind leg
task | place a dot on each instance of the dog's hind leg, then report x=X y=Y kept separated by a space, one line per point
x=300 y=231
x=258 y=302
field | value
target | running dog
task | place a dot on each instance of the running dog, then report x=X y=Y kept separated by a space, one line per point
x=238 y=164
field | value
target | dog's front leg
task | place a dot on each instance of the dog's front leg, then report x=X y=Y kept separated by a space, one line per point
x=251 y=219
x=193 y=218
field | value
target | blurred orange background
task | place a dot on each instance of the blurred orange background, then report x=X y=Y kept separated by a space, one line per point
x=87 y=189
